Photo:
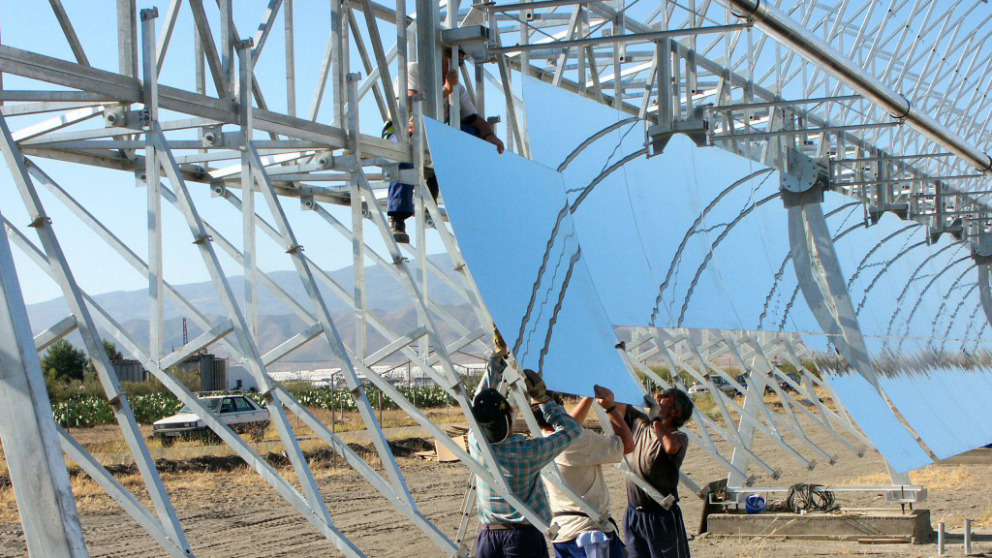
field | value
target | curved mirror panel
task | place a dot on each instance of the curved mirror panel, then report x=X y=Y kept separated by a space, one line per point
x=867 y=407
x=513 y=227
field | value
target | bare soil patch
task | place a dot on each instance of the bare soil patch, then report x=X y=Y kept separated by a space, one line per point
x=229 y=511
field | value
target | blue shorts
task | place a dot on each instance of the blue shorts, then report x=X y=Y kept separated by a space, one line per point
x=399 y=202
x=525 y=542
x=655 y=534
x=571 y=548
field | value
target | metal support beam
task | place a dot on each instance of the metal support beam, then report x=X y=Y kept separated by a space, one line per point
x=772 y=21
x=30 y=442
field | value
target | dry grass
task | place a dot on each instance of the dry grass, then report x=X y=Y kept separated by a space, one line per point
x=190 y=488
x=8 y=506
x=107 y=444
x=350 y=421
x=985 y=520
x=935 y=478
x=942 y=481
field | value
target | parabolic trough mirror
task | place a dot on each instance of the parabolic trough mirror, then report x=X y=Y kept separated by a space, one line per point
x=698 y=239
x=154 y=144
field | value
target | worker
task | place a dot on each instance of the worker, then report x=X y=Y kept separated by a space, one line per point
x=399 y=203
x=581 y=467
x=505 y=532
x=650 y=529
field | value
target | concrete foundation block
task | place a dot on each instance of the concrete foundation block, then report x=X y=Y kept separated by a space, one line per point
x=865 y=525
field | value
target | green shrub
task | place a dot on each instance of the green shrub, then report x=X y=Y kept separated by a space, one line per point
x=422 y=397
x=154 y=406
x=84 y=410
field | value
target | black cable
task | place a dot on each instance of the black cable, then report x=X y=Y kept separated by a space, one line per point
x=757 y=4
x=809 y=497
x=909 y=108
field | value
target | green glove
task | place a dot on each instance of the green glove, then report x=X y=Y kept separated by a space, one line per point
x=536 y=389
x=501 y=351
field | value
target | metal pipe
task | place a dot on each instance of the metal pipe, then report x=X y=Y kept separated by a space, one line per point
x=889 y=158
x=779 y=26
x=628 y=38
x=941 y=538
x=967 y=536
x=914 y=179
x=429 y=57
x=720 y=135
x=533 y=5
x=796 y=102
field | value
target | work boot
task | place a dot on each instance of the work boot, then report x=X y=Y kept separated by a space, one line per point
x=398 y=228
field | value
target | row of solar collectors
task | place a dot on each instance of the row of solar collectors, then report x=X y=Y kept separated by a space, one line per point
x=698 y=238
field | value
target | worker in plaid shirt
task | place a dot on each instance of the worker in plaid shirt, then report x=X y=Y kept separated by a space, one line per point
x=505 y=532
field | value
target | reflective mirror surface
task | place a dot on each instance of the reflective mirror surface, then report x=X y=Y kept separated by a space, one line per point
x=696 y=237
x=511 y=219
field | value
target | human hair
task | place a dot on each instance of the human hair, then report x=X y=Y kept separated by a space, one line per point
x=539 y=414
x=683 y=404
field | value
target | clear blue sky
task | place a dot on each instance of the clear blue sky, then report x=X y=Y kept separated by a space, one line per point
x=113 y=197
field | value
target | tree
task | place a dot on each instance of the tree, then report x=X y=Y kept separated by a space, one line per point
x=64 y=362
x=112 y=353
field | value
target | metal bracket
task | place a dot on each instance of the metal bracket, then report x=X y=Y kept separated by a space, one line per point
x=140 y=119
x=981 y=251
x=345 y=163
x=234 y=140
x=115 y=116
x=218 y=190
x=307 y=202
x=697 y=128
x=473 y=40
x=393 y=173
x=119 y=116
x=804 y=179
x=955 y=228
x=907 y=495
x=900 y=209
x=212 y=136
x=325 y=159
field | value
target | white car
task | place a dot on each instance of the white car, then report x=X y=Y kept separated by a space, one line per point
x=237 y=411
x=719 y=383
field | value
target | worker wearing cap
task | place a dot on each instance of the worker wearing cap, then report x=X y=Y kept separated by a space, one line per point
x=505 y=532
x=650 y=529
x=581 y=467
x=399 y=203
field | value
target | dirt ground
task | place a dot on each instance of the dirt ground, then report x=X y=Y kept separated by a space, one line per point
x=234 y=514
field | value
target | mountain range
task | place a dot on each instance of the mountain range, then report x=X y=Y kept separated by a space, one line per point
x=386 y=299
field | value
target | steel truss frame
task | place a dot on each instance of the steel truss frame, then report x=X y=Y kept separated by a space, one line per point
x=704 y=68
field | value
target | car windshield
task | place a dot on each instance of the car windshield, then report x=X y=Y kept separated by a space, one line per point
x=213 y=404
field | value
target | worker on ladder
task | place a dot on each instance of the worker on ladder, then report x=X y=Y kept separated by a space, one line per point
x=399 y=203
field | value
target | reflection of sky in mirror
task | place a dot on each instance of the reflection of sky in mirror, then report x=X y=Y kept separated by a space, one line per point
x=702 y=238
x=878 y=422
x=700 y=233
x=904 y=289
x=509 y=215
x=913 y=301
